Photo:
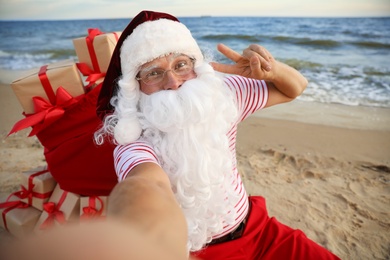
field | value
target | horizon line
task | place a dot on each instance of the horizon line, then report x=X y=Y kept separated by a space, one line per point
x=197 y=16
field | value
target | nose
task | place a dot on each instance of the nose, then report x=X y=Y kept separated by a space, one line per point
x=173 y=82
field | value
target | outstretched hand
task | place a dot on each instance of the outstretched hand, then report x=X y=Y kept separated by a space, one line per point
x=255 y=62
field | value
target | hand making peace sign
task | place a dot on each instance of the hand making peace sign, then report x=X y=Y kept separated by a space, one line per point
x=255 y=62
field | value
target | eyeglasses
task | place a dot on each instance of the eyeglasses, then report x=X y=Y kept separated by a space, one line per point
x=183 y=66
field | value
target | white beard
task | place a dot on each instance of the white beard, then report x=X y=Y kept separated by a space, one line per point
x=188 y=129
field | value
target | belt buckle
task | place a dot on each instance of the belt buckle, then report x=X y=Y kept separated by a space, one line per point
x=237 y=233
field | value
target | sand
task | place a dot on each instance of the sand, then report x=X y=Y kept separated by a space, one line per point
x=324 y=169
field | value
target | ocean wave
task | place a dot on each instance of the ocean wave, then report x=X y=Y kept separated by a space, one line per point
x=331 y=43
x=362 y=35
x=376 y=72
x=308 y=41
x=347 y=85
x=4 y=54
x=57 y=54
x=28 y=60
x=225 y=37
x=282 y=39
x=371 y=44
x=302 y=64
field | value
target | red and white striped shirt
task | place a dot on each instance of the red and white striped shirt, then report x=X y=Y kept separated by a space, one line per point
x=251 y=95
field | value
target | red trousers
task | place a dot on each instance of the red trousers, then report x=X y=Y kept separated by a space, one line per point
x=266 y=238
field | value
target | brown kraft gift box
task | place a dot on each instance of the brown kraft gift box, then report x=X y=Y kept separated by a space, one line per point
x=103 y=45
x=59 y=74
x=63 y=207
x=18 y=218
x=37 y=186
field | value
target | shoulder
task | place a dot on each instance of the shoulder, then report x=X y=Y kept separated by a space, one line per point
x=245 y=86
x=248 y=89
x=240 y=81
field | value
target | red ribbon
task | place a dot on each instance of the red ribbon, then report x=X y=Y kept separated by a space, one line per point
x=91 y=211
x=10 y=205
x=46 y=84
x=28 y=192
x=91 y=75
x=92 y=33
x=46 y=113
x=54 y=212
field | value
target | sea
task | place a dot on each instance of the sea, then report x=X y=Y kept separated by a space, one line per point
x=346 y=60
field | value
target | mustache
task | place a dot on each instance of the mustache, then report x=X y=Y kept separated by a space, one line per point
x=179 y=108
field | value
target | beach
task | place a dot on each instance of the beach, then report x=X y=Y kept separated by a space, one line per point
x=323 y=168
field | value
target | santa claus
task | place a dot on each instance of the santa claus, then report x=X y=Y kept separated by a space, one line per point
x=174 y=120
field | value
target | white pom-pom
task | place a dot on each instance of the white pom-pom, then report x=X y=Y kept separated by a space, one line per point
x=127 y=130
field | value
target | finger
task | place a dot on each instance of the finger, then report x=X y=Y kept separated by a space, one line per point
x=262 y=51
x=248 y=53
x=256 y=67
x=224 y=68
x=229 y=53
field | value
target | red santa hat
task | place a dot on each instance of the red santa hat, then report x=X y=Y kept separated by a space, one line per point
x=149 y=35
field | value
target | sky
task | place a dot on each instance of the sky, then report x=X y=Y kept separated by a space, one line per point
x=91 y=9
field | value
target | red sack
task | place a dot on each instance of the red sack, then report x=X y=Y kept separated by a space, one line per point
x=75 y=161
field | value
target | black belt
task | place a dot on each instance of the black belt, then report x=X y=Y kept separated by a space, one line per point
x=237 y=233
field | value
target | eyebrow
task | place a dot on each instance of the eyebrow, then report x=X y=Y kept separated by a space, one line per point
x=156 y=66
x=150 y=68
x=176 y=55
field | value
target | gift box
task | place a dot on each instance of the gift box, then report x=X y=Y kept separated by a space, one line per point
x=37 y=186
x=95 y=50
x=43 y=82
x=93 y=207
x=46 y=113
x=63 y=207
x=17 y=217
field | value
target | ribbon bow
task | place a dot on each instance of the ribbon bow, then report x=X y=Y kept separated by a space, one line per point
x=8 y=206
x=54 y=215
x=91 y=212
x=92 y=76
x=46 y=113
x=54 y=212
x=25 y=193
x=29 y=192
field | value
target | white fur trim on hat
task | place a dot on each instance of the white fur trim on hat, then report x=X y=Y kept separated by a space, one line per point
x=154 y=39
